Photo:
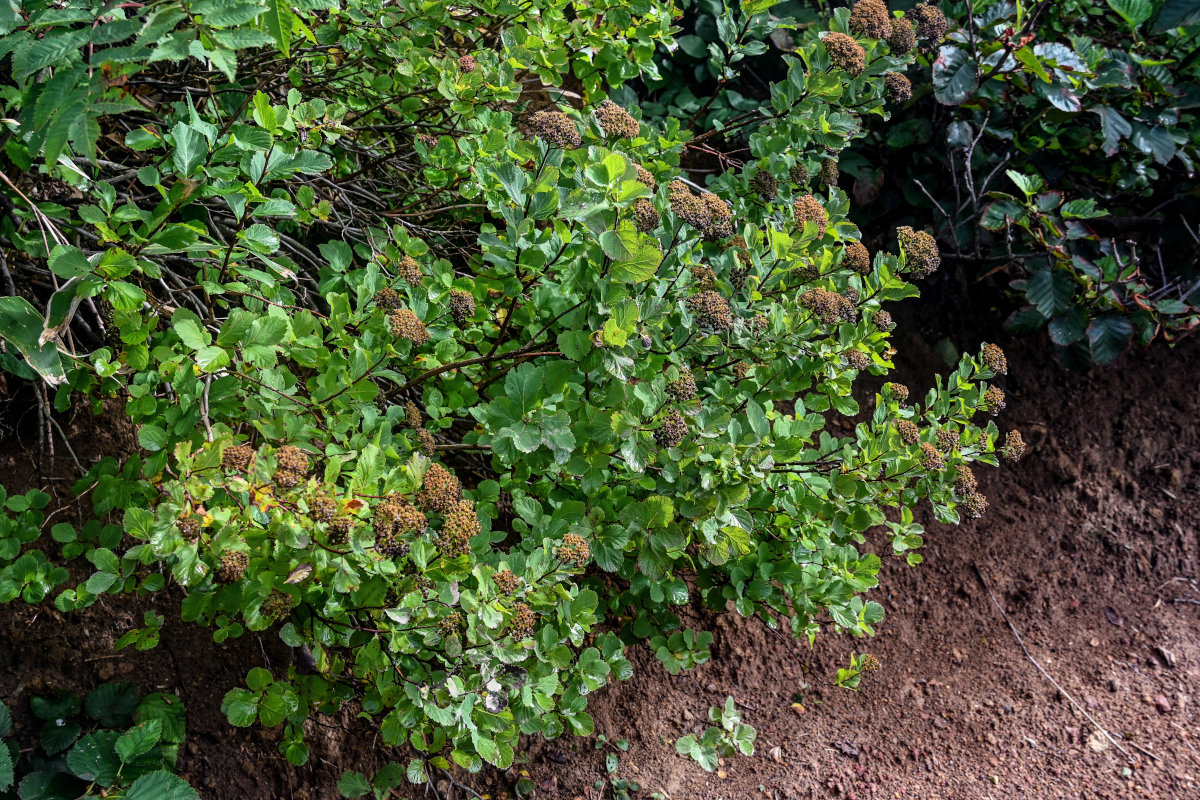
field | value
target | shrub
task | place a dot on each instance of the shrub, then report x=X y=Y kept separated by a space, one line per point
x=439 y=506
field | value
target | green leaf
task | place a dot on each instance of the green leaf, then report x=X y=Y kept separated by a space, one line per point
x=641 y=265
x=1050 y=291
x=161 y=785
x=279 y=24
x=21 y=325
x=1134 y=12
x=93 y=758
x=575 y=345
x=191 y=333
x=191 y=149
x=139 y=740
x=59 y=734
x=48 y=786
x=240 y=707
x=169 y=710
x=353 y=784
x=1108 y=337
x=6 y=768
x=5 y=721
x=112 y=704
x=68 y=262
x=1175 y=14
x=955 y=76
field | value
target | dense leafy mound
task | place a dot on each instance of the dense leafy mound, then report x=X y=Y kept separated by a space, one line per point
x=436 y=356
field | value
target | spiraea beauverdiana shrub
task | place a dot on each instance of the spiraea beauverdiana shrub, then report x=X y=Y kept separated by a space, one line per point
x=430 y=372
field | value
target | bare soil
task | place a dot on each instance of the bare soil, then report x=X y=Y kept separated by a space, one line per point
x=1091 y=547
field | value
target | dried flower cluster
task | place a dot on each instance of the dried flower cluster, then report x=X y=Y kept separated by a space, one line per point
x=993 y=358
x=506 y=582
x=931 y=23
x=830 y=307
x=908 y=430
x=871 y=19
x=462 y=306
x=846 y=53
x=574 y=550
x=672 y=430
x=993 y=400
x=645 y=215
x=409 y=270
x=903 y=37
x=764 y=185
x=440 y=490
x=232 y=566
x=898 y=87
x=1014 y=446
x=931 y=459
x=711 y=309
x=290 y=466
x=522 y=621
x=616 y=122
x=461 y=524
x=238 y=457
x=682 y=389
x=857 y=257
x=921 y=256
x=388 y=299
x=808 y=209
x=407 y=325
x=829 y=174
x=707 y=213
x=555 y=129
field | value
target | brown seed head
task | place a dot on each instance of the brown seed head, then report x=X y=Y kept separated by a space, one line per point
x=1014 y=446
x=829 y=307
x=764 y=185
x=808 y=209
x=646 y=178
x=616 y=122
x=232 y=566
x=993 y=358
x=921 y=256
x=846 y=53
x=555 y=129
x=672 y=430
x=684 y=388
x=462 y=306
x=407 y=325
x=870 y=18
x=947 y=440
x=412 y=415
x=461 y=524
x=903 y=37
x=409 y=270
x=992 y=401
x=440 y=490
x=467 y=63
x=506 y=582
x=931 y=23
x=829 y=173
x=931 y=459
x=645 y=215
x=965 y=482
x=388 y=299
x=520 y=625
x=973 y=505
x=908 y=430
x=711 y=309
x=238 y=457
x=426 y=443
x=898 y=87
x=857 y=258
x=574 y=550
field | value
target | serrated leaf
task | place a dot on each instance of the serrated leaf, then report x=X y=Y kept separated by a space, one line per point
x=139 y=739
x=1108 y=337
x=6 y=768
x=94 y=758
x=279 y=24
x=161 y=785
x=112 y=704
x=1050 y=291
x=353 y=784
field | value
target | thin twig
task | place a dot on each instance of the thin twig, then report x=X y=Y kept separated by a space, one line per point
x=1034 y=661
